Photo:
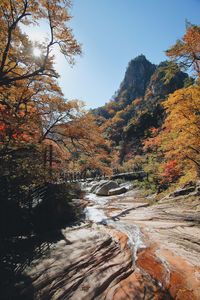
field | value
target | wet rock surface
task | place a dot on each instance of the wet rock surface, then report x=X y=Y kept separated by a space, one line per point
x=127 y=249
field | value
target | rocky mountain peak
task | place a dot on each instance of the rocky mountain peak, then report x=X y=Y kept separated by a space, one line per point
x=137 y=77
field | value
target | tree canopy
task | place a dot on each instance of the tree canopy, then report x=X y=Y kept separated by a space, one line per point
x=186 y=51
x=16 y=51
x=33 y=110
x=177 y=142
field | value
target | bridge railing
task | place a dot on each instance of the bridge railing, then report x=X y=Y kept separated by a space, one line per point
x=78 y=177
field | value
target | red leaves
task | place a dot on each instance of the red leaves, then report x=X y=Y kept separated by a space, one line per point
x=171 y=172
x=2 y=127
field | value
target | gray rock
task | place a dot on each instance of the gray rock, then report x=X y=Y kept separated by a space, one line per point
x=106 y=187
x=96 y=185
x=117 y=191
x=182 y=192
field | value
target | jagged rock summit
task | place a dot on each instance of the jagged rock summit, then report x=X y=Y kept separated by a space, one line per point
x=136 y=79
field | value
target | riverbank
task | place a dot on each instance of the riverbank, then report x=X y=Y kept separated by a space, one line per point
x=126 y=249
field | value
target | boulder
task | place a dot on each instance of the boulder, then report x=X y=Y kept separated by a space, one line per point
x=106 y=187
x=96 y=185
x=117 y=191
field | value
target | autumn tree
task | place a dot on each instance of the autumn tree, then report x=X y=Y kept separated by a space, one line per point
x=16 y=50
x=36 y=118
x=186 y=51
x=83 y=140
x=27 y=83
x=182 y=125
x=177 y=143
x=33 y=111
x=37 y=115
x=181 y=134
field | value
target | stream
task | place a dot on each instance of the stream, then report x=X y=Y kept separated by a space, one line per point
x=96 y=214
x=125 y=249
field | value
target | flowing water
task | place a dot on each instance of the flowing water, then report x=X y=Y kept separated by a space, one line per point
x=96 y=214
x=111 y=257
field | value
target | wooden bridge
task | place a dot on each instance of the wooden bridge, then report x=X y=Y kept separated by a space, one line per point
x=78 y=177
x=87 y=175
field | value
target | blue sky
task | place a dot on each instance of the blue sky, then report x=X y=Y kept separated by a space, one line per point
x=112 y=32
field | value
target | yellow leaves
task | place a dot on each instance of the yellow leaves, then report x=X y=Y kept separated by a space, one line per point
x=32 y=103
x=183 y=106
x=181 y=138
x=83 y=139
x=186 y=51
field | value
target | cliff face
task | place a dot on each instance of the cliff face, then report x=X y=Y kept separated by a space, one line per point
x=136 y=79
x=137 y=105
x=160 y=86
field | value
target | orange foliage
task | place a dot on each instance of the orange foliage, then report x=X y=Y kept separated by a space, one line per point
x=186 y=51
x=18 y=63
x=177 y=143
x=154 y=141
x=32 y=106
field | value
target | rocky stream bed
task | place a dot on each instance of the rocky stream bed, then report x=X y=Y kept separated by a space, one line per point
x=126 y=249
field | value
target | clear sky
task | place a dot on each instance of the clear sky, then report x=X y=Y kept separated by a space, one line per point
x=112 y=32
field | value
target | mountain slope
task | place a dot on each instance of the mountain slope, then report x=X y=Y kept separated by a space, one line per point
x=137 y=105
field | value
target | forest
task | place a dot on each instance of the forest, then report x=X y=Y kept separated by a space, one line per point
x=151 y=124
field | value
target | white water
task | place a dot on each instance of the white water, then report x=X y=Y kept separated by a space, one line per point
x=96 y=214
x=100 y=200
